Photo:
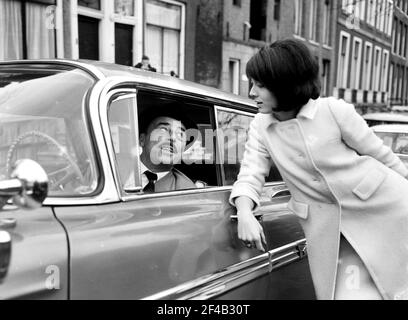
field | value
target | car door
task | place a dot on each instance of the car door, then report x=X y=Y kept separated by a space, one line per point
x=173 y=245
x=38 y=255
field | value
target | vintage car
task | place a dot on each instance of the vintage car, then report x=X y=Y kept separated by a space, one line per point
x=396 y=137
x=379 y=118
x=96 y=237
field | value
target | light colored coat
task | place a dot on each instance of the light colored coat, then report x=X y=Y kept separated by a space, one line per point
x=342 y=179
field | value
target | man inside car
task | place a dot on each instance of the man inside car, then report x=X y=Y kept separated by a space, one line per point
x=163 y=140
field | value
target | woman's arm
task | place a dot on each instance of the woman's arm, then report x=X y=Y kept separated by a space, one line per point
x=249 y=229
x=359 y=136
x=255 y=166
x=247 y=190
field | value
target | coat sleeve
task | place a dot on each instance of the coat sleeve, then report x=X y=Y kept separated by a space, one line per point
x=255 y=167
x=360 y=137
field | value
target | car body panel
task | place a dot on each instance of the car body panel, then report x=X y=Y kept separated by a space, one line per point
x=152 y=245
x=39 y=255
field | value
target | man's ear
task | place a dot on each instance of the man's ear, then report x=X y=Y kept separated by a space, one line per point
x=142 y=139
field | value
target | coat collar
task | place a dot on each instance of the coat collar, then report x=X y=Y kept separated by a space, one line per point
x=308 y=111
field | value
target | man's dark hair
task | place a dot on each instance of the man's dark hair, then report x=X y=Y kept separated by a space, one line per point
x=289 y=71
x=145 y=57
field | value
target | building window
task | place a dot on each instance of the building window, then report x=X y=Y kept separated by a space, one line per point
x=367 y=67
x=234 y=76
x=361 y=9
x=391 y=75
x=343 y=67
x=236 y=3
x=356 y=64
x=326 y=78
x=377 y=69
x=394 y=36
x=258 y=20
x=88 y=37
x=276 y=10
x=400 y=38
x=298 y=17
x=327 y=22
x=163 y=35
x=125 y=7
x=24 y=33
x=92 y=4
x=384 y=77
x=314 y=9
x=371 y=10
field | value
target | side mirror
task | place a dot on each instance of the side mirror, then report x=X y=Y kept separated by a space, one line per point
x=28 y=185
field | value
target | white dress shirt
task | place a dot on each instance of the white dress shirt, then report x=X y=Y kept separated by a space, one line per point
x=130 y=182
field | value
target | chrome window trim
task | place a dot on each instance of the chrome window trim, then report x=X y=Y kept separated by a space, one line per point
x=225 y=109
x=232 y=277
x=106 y=98
x=136 y=196
x=229 y=109
x=90 y=69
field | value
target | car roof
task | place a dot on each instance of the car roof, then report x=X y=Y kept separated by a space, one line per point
x=103 y=70
x=382 y=116
x=393 y=128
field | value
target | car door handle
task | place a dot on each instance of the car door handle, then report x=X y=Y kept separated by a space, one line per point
x=258 y=216
x=5 y=253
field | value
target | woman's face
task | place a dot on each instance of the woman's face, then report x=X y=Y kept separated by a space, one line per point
x=263 y=97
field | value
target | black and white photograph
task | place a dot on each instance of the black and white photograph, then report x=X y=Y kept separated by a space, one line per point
x=222 y=151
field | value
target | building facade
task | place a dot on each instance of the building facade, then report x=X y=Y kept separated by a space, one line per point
x=398 y=77
x=363 y=48
x=118 y=31
x=249 y=25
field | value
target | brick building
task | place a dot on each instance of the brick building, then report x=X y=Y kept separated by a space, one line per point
x=118 y=31
x=249 y=25
x=363 y=45
x=398 y=78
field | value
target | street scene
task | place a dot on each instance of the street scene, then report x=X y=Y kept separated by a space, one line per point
x=235 y=150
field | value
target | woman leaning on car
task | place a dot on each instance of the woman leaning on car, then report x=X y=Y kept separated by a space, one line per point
x=348 y=189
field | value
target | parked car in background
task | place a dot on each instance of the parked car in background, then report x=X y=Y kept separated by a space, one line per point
x=396 y=137
x=379 y=118
x=94 y=238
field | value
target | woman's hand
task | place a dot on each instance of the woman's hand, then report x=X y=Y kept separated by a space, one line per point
x=250 y=230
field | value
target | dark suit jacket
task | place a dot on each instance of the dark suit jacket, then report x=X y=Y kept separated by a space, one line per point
x=174 y=180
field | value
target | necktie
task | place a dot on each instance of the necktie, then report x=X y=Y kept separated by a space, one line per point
x=152 y=177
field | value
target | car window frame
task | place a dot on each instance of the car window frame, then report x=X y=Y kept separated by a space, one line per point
x=215 y=103
x=112 y=96
x=247 y=113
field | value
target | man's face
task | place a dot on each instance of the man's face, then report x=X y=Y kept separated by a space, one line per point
x=164 y=142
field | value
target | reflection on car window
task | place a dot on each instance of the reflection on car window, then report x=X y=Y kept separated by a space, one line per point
x=233 y=131
x=401 y=143
x=122 y=120
x=42 y=118
x=387 y=137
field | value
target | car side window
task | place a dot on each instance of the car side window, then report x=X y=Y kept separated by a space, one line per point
x=233 y=129
x=122 y=118
x=183 y=152
x=401 y=144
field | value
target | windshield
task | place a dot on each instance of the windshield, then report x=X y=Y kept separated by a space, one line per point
x=42 y=118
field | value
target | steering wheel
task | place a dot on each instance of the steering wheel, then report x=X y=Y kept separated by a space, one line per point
x=69 y=172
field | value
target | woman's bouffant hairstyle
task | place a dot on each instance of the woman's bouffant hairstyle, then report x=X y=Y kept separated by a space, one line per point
x=289 y=71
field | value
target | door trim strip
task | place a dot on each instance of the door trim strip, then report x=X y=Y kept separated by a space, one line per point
x=227 y=279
